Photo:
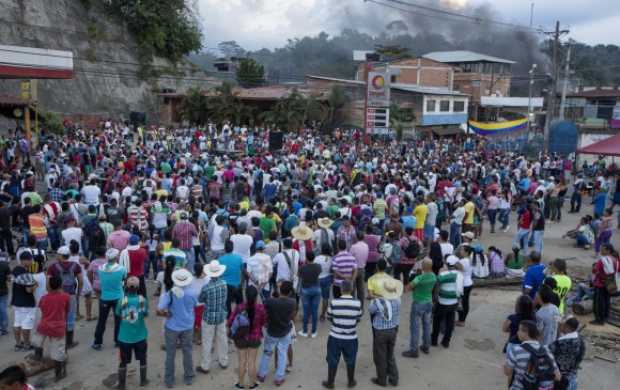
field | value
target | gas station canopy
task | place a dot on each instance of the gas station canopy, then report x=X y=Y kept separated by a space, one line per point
x=19 y=62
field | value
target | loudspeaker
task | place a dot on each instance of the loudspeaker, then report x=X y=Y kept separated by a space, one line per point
x=275 y=140
x=138 y=118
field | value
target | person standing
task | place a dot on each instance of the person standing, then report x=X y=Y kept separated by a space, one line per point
x=548 y=316
x=184 y=231
x=72 y=283
x=422 y=287
x=177 y=305
x=538 y=227
x=360 y=251
x=134 y=258
x=465 y=252
x=606 y=267
x=213 y=296
x=259 y=270
x=132 y=308
x=568 y=350
x=310 y=293
x=248 y=344
x=344 y=313
x=450 y=289
x=344 y=267
x=23 y=302
x=233 y=264
x=5 y=272
x=563 y=281
x=534 y=276
x=54 y=308
x=385 y=314
x=456 y=223
x=111 y=277
x=281 y=310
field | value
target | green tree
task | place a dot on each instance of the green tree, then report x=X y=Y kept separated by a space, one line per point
x=335 y=102
x=226 y=106
x=400 y=118
x=53 y=123
x=250 y=73
x=231 y=49
x=194 y=107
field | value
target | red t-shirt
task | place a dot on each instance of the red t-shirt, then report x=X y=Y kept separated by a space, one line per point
x=54 y=309
x=137 y=258
x=526 y=220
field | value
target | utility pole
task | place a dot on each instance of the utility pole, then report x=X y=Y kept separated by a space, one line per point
x=529 y=101
x=565 y=87
x=551 y=98
x=531 y=14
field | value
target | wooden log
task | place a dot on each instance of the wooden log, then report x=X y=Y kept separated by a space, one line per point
x=583 y=308
x=501 y=282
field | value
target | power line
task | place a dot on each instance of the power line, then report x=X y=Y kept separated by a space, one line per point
x=448 y=15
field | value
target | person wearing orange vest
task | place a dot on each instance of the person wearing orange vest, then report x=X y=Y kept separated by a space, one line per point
x=38 y=229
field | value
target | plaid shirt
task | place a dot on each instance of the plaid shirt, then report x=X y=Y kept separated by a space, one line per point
x=213 y=295
x=379 y=313
x=56 y=194
x=184 y=231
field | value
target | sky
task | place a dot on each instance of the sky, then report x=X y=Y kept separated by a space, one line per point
x=255 y=24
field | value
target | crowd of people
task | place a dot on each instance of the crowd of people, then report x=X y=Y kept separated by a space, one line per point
x=237 y=240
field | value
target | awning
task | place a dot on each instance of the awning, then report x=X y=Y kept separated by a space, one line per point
x=19 y=62
x=607 y=147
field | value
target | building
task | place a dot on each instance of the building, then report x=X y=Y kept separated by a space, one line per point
x=421 y=72
x=437 y=110
x=595 y=105
x=476 y=75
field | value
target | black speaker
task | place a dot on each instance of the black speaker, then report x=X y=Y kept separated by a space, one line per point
x=138 y=118
x=275 y=140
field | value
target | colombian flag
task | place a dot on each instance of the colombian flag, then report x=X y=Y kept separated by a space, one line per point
x=495 y=128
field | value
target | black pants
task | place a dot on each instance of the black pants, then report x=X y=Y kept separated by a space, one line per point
x=383 y=344
x=443 y=314
x=465 y=303
x=6 y=241
x=234 y=295
x=402 y=270
x=104 y=309
x=601 y=303
x=336 y=291
x=575 y=202
x=142 y=286
x=128 y=349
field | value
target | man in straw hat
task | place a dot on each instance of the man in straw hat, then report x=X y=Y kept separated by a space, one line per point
x=214 y=295
x=302 y=240
x=178 y=308
x=385 y=314
x=324 y=234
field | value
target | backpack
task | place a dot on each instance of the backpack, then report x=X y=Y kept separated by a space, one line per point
x=412 y=250
x=240 y=327
x=539 y=374
x=325 y=240
x=69 y=282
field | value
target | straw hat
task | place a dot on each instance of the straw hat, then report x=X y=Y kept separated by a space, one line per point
x=324 y=223
x=302 y=233
x=214 y=269
x=182 y=277
x=390 y=289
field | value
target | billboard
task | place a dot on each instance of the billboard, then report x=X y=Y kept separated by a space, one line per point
x=378 y=90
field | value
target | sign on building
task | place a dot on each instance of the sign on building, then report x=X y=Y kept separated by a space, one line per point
x=378 y=91
x=377 y=120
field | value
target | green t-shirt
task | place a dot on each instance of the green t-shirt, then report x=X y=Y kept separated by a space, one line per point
x=210 y=171
x=516 y=262
x=424 y=284
x=266 y=225
x=165 y=167
x=132 y=309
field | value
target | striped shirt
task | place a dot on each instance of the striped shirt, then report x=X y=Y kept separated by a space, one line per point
x=448 y=287
x=518 y=358
x=344 y=313
x=344 y=264
x=138 y=217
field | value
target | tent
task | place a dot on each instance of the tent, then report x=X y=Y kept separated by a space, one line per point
x=607 y=147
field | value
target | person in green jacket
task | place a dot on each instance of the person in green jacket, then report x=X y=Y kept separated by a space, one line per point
x=132 y=334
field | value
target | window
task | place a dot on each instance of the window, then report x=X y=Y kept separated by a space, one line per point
x=430 y=105
x=393 y=78
x=444 y=106
x=459 y=106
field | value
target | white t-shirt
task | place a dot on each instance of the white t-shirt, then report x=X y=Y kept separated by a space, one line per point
x=446 y=249
x=72 y=233
x=467 y=272
x=241 y=245
x=286 y=272
x=326 y=263
x=91 y=194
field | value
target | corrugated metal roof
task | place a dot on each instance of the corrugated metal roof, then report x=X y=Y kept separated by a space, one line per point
x=510 y=101
x=463 y=56
x=401 y=87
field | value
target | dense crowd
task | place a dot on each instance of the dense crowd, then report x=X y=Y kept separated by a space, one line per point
x=238 y=238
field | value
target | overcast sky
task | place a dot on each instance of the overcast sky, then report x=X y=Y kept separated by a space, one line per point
x=255 y=24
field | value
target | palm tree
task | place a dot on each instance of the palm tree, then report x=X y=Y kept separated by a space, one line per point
x=194 y=107
x=335 y=102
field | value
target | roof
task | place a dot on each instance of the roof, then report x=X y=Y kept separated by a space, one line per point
x=34 y=63
x=505 y=101
x=463 y=56
x=398 y=86
x=11 y=100
x=609 y=92
x=607 y=147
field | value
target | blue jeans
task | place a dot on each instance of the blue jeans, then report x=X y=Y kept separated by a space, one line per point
x=581 y=240
x=537 y=237
x=504 y=217
x=455 y=234
x=72 y=313
x=191 y=259
x=269 y=345
x=492 y=214
x=521 y=239
x=420 y=312
x=337 y=347
x=151 y=263
x=4 y=315
x=572 y=382
x=310 y=298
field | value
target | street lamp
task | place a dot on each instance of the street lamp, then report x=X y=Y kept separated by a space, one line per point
x=529 y=101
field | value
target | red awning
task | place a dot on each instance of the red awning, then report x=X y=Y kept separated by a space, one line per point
x=607 y=147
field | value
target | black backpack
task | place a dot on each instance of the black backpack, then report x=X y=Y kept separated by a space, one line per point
x=540 y=372
x=412 y=250
x=69 y=282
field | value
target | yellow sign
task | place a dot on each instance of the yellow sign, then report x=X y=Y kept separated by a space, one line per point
x=25 y=90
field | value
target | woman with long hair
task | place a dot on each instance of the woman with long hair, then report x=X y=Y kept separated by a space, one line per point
x=247 y=335
x=605 y=268
x=524 y=310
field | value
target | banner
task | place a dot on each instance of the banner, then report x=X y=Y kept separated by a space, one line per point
x=378 y=90
x=497 y=128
